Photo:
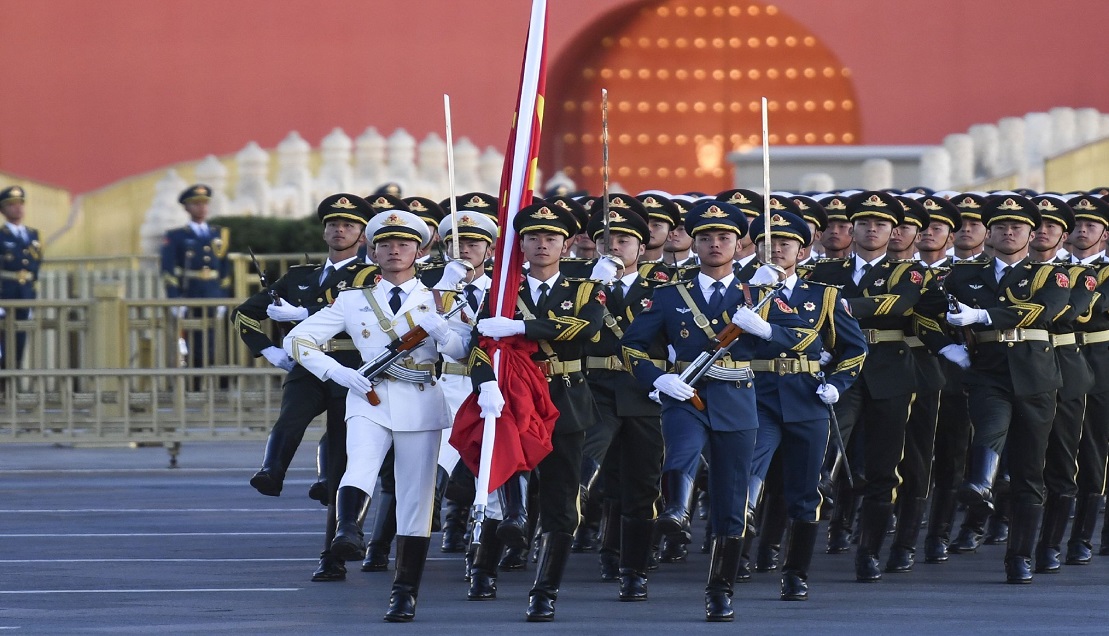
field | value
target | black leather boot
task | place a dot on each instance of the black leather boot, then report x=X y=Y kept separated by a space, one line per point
x=743 y=573
x=976 y=491
x=411 y=556
x=483 y=573
x=635 y=548
x=554 y=552
x=454 y=526
x=677 y=491
x=874 y=519
x=330 y=568
x=1022 y=535
x=800 y=542
x=513 y=529
x=843 y=518
x=588 y=534
x=318 y=491
x=441 y=479
x=1080 y=549
x=382 y=532
x=909 y=515
x=271 y=477
x=774 y=522
x=970 y=534
x=610 y=540
x=701 y=491
x=348 y=544
x=1104 y=551
x=723 y=564
x=1049 y=548
x=940 y=519
x=997 y=528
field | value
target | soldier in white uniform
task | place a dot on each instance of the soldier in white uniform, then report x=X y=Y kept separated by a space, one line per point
x=410 y=410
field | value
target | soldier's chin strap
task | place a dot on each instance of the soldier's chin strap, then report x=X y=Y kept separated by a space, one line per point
x=361 y=233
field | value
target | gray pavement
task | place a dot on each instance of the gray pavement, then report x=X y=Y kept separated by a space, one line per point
x=109 y=540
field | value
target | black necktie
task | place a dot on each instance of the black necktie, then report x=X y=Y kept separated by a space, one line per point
x=394 y=300
x=326 y=272
x=471 y=296
x=618 y=293
x=543 y=289
x=1004 y=270
x=716 y=301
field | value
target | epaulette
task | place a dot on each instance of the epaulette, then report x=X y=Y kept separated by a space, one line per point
x=967 y=261
x=904 y=260
x=816 y=282
x=292 y=267
x=673 y=283
x=832 y=260
x=574 y=259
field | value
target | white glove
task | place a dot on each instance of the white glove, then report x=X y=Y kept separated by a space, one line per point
x=435 y=326
x=957 y=354
x=828 y=393
x=221 y=312
x=752 y=323
x=825 y=358
x=453 y=273
x=179 y=312
x=3 y=312
x=286 y=312
x=500 y=327
x=672 y=385
x=490 y=400
x=968 y=316
x=352 y=379
x=605 y=270
x=654 y=397
x=278 y=358
x=765 y=275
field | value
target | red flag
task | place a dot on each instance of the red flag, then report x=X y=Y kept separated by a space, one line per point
x=523 y=433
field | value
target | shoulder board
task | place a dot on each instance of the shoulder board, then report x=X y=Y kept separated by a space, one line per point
x=816 y=282
x=904 y=260
x=968 y=262
x=574 y=259
x=673 y=283
x=298 y=267
x=831 y=260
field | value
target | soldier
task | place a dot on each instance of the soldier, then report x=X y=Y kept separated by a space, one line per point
x=751 y=203
x=20 y=258
x=1088 y=248
x=689 y=315
x=836 y=237
x=195 y=265
x=816 y=218
x=663 y=215
x=677 y=253
x=881 y=294
x=1010 y=302
x=792 y=402
x=561 y=314
x=405 y=409
x=301 y=292
x=431 y=213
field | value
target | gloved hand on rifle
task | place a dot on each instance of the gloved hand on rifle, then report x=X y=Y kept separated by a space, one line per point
x=968 y=316
x=435 y=326
x=671 y=384
x=352 y=379
x=958 y=354
x=500 y=327
x=752 y=323
x=489 y=399
x=278 y=358
x=286 y=312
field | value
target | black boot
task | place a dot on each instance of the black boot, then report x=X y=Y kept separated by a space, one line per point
x=874 y=519
x=611 y=538
x=1025 y=522
x=774 y=521
x=970 y=534
x=843 y=518
x=381 y=535
x=940 y=519
x=1104 y=551
x=330 y=568
x=909 y=515
x=587 y=536
x=723 y=564
x=348 y=544
x=454 y=526
x=513 y=559
x=441 y=479
x=800 y=541
x=513 y=529
x=635 y=548
x=483 y=573
x=554 y=552
x=411 y=556
x=997 y=528
x=677 y=489
x=270 y=478
x=743 y=573
x=977 y=489
x=318 y=490
x=1049 y=548
x=1080 y=548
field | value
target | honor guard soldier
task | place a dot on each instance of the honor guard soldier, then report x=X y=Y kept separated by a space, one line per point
x=1009 y=303
x=20 y=257
x=836 y=237
x=628 y=433
x=561 y=314
x=881 y=294
x=301 y=292
x=688 y=316
x=793 y=398
x=1087 y=245
x=750 y=202
x=817 y=219
x=431 y=213
x=663 y=215
x=195 y=264
x=380 y=202
x=405 y=408
x=678 y=253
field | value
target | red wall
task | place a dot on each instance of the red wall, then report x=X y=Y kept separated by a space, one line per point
x=95 y=91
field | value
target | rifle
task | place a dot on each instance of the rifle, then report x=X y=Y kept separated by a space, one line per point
x=395 y=351
x=968 y=339
x=717 y=348
x=837 y=435
x=262 y=277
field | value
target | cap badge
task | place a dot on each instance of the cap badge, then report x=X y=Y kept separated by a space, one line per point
x=465 y=220
x=775 y=204
x=562 y=204
x=477 y=202
x=381 y=202
x=715 y=212
x=615 y=217
x=1047 y=206
x=876 y=201
x=836 y=204
x=1009 y=205
x=416 y=206
x=968 y=203
x=343 y=204
x=738 y=198
x=619 y=203
x=929 y=204
x=545 y=214
x=395 y=219
x=778 y=221
x=1085 y=204
x=651 y=202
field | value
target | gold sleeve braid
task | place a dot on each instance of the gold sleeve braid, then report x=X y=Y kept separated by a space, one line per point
x=247 y=323
x=1029 y=311
x=807 y=336
x=569 y=326
x=633 y=357
x=478 y=356
x=852 y=365
x=304 y=347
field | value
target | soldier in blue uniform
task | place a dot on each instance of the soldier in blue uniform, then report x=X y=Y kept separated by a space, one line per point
x=20 y=256
x=303 y=291
x=689 y=315
x=792 y=402
x=195 y=265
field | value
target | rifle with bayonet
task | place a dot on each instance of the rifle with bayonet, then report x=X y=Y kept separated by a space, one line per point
x=262 y=277
x=968 y=339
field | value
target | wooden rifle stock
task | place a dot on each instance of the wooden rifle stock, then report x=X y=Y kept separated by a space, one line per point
x=407 y=342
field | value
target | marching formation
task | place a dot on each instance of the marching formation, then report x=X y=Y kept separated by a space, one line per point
x=878 y=359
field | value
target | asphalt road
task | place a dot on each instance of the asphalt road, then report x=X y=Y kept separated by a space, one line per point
x=111 y=541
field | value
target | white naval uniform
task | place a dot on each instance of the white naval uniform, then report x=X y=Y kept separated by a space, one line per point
x=410 y=417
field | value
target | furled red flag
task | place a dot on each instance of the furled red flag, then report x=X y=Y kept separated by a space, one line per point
x=522 y=434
